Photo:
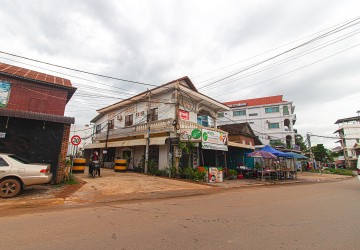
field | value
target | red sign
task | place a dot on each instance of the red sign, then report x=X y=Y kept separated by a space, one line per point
x=75 y=140
x=183 y=114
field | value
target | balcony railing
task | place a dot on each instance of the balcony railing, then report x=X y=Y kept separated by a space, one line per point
x=155 y=127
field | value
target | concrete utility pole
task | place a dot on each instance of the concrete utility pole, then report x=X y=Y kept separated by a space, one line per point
x=310 y=150
x=148 y=118
x=344 y=150
x=106 y=143
x=177 y=125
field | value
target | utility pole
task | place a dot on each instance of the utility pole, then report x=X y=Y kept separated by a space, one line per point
x=106 y=142
x=177 y=125
x=310 y=150
x=148 y=118
x=344 y=150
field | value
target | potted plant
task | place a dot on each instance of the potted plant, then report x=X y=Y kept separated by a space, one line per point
x=232 y=174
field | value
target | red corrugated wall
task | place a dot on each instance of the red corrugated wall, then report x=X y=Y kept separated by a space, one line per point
x=29 y=96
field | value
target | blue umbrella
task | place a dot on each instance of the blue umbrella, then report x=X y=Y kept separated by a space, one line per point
x=276 y=152
x=262 y=154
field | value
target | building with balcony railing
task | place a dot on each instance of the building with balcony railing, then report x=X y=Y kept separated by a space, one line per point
x=349 y=136
x=271 y=118
x=166 y=116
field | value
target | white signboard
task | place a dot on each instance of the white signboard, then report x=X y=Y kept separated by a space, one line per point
x=214 y=140
x=2 y=135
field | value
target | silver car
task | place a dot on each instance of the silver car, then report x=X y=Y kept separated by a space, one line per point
x=16 y=173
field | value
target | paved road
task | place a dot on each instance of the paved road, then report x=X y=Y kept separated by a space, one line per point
x=306 y=216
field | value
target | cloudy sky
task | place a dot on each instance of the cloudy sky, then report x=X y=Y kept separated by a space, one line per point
x=155 y=42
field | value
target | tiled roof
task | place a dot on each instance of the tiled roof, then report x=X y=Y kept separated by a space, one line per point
x=33 y=75
x=350 y=119
x=258 y=101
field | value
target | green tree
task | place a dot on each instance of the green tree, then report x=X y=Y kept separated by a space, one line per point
x=321 y=153
x=299 y=140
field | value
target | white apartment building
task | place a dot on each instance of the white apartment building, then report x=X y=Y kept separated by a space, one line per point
x=271 y=118
x=349 y=134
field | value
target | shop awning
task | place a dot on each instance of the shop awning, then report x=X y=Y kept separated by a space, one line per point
x=158 y=141
x=239 y=145
x=136 y=142
x=128 y=143
x=95 y=145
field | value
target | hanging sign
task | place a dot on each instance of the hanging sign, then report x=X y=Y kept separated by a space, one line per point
x=184 y=115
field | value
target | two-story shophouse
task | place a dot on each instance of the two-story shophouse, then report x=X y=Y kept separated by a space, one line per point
x=170 y=113
x=32 y=121
x=271 y=118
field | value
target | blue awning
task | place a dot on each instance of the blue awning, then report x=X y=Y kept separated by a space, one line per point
x=298 y=156
x=276 y=152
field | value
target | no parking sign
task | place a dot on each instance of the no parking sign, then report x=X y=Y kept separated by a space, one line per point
x=75 y=140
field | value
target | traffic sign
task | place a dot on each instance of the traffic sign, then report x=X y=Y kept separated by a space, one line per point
x=75 y=140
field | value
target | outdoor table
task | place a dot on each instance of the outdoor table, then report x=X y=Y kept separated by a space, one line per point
x=266 y=173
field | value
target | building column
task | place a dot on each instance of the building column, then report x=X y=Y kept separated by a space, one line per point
x=60 y=172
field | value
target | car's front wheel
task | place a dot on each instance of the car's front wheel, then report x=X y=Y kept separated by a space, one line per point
x=9 y=188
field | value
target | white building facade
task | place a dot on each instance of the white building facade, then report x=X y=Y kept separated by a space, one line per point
x=349 y=134
x=271 y=118
x=170 y=112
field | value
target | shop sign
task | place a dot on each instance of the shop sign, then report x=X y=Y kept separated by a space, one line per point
x=4 y=93
x=214 y=140
x=174 y=141
x=215 y=174
x=190 y=134
x=184 y=115
x=2 y=135
x=214 y=146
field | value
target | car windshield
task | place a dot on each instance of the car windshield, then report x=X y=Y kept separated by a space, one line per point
x=19 y=158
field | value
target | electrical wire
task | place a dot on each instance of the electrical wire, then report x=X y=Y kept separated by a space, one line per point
x=338 y=29
x=77 y=70
x=262 y=53
x=291 y=58
x=278 y=76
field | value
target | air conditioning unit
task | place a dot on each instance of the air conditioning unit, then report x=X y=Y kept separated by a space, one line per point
x=119 y=117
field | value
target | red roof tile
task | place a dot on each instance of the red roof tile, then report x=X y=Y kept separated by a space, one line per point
x=258 y=101
x=33 y=75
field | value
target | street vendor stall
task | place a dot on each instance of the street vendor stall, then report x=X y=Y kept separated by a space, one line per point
x=279 y=167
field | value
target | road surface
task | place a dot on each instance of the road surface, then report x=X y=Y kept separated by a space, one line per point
x=306 y=216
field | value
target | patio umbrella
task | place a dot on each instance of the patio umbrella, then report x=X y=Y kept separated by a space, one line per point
x=262 y=154
x=276 y=152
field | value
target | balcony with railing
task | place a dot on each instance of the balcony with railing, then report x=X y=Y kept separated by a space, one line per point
x=159 y=126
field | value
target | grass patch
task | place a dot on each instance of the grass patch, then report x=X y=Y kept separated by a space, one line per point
x=338 y=171
x=71 y=181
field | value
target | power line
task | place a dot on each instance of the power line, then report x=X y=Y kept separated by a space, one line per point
x=78 y=70
x=338 y=29
x=61 y=73
x=270 y=50
x=293 y=57
x=278 y=76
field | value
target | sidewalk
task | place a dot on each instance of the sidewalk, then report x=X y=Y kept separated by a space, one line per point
x=120 y=186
